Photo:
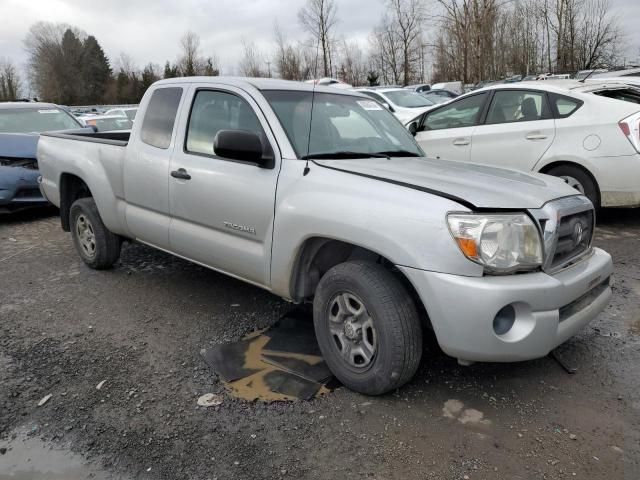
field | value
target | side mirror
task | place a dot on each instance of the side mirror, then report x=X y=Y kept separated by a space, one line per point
x=413 y=128
x=239 y=145
x=388 y=107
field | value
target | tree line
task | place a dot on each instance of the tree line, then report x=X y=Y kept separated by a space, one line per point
x=414 y=41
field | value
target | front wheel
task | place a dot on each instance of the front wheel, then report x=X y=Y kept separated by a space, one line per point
x=98 y=247
x=367 y=327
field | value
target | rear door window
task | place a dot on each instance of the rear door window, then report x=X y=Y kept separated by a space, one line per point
x=160 y=117
x=517 y=106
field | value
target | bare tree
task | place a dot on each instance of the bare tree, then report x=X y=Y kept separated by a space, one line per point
x=318 y=17
x=189 y=61
x=290 y=60
x=408 y=17
x=251 y=61
x=9 y=81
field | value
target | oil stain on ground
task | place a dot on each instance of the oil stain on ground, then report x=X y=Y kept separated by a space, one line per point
x=282 y=363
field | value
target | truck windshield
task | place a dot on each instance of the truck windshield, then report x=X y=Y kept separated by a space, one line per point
x=326 y=125
x=35 y=120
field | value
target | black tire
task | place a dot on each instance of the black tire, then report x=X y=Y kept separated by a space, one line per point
x=106 y=245
x=397 y=335
x=589 y=186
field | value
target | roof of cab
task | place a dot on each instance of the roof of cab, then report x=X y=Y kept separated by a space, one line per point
x=259 y=84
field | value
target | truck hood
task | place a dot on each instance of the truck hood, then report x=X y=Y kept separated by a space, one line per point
x=470 y=184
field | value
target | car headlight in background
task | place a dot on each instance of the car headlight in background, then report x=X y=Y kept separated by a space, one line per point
x=502 y=243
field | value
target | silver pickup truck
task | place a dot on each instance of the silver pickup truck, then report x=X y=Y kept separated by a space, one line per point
x=319 y=194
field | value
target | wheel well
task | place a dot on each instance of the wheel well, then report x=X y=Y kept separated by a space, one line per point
x=318 y=255
x=72 y=188
x=563 y=163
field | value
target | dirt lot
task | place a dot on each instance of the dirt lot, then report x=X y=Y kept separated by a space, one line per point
x=65 y=328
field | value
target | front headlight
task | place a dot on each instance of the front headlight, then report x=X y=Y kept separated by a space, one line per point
x=502 y=243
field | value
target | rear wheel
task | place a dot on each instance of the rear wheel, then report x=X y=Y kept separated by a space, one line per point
x=367 y=327
x=98 y=247
x=580 y=180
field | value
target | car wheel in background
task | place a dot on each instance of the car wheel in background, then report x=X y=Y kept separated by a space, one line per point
x=98 y=247
x=580 y=180
x=367 y=327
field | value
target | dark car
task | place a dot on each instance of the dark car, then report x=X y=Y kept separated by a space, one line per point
x=20 y=126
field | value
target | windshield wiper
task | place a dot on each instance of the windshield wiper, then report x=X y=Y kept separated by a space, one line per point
x=344 y=155
x=398 y=153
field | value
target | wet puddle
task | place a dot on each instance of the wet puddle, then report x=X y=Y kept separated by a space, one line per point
x=282 y=363
x=32 y=459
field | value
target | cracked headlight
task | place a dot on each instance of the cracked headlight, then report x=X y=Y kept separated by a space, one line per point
x=502 y=243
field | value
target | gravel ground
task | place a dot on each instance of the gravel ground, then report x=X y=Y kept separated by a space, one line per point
x=140 y=327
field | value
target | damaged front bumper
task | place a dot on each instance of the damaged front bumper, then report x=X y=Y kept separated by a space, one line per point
x=543 y=310
x=19 y=187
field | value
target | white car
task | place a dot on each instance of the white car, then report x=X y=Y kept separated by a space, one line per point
x=586 y=133
x=330 y=82
x=107 y=123
x=129 y=112
x=403 y=103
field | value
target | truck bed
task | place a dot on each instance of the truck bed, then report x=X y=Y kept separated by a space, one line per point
x=120 y=139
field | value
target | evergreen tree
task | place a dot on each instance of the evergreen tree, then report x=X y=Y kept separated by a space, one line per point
x=372 y=78
x=170 y=71
x=149 y=76
x=96 y=70
x=72 y=88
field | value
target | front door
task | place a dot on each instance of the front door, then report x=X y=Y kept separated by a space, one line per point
x=446 y=132
x=222 y=210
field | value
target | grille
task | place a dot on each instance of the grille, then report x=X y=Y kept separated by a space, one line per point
x=574 y=234
x=28 y=193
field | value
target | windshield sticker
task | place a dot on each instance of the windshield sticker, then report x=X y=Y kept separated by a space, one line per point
x=369 y=105
x=49 y=111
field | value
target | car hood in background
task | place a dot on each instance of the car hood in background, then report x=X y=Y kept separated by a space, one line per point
x=479 y=185
x=18 y=145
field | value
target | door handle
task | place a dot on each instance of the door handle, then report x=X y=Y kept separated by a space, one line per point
x=535 y=136
x=181 y=173
x=461 y=141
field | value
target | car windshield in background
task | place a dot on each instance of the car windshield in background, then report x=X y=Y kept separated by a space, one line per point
x=131 y=114
x=407 y=99
x=35 y=120
x=328 y=125
x=110 y=124
x=434 y=98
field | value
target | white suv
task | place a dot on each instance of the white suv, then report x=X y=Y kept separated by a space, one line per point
x=586 y=133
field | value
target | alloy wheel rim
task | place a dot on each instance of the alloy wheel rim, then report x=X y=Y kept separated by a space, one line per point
x=573 y=182
x=86 y=235
x=352 y=330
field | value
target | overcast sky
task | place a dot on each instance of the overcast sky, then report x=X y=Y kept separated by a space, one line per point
x=150 y=30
